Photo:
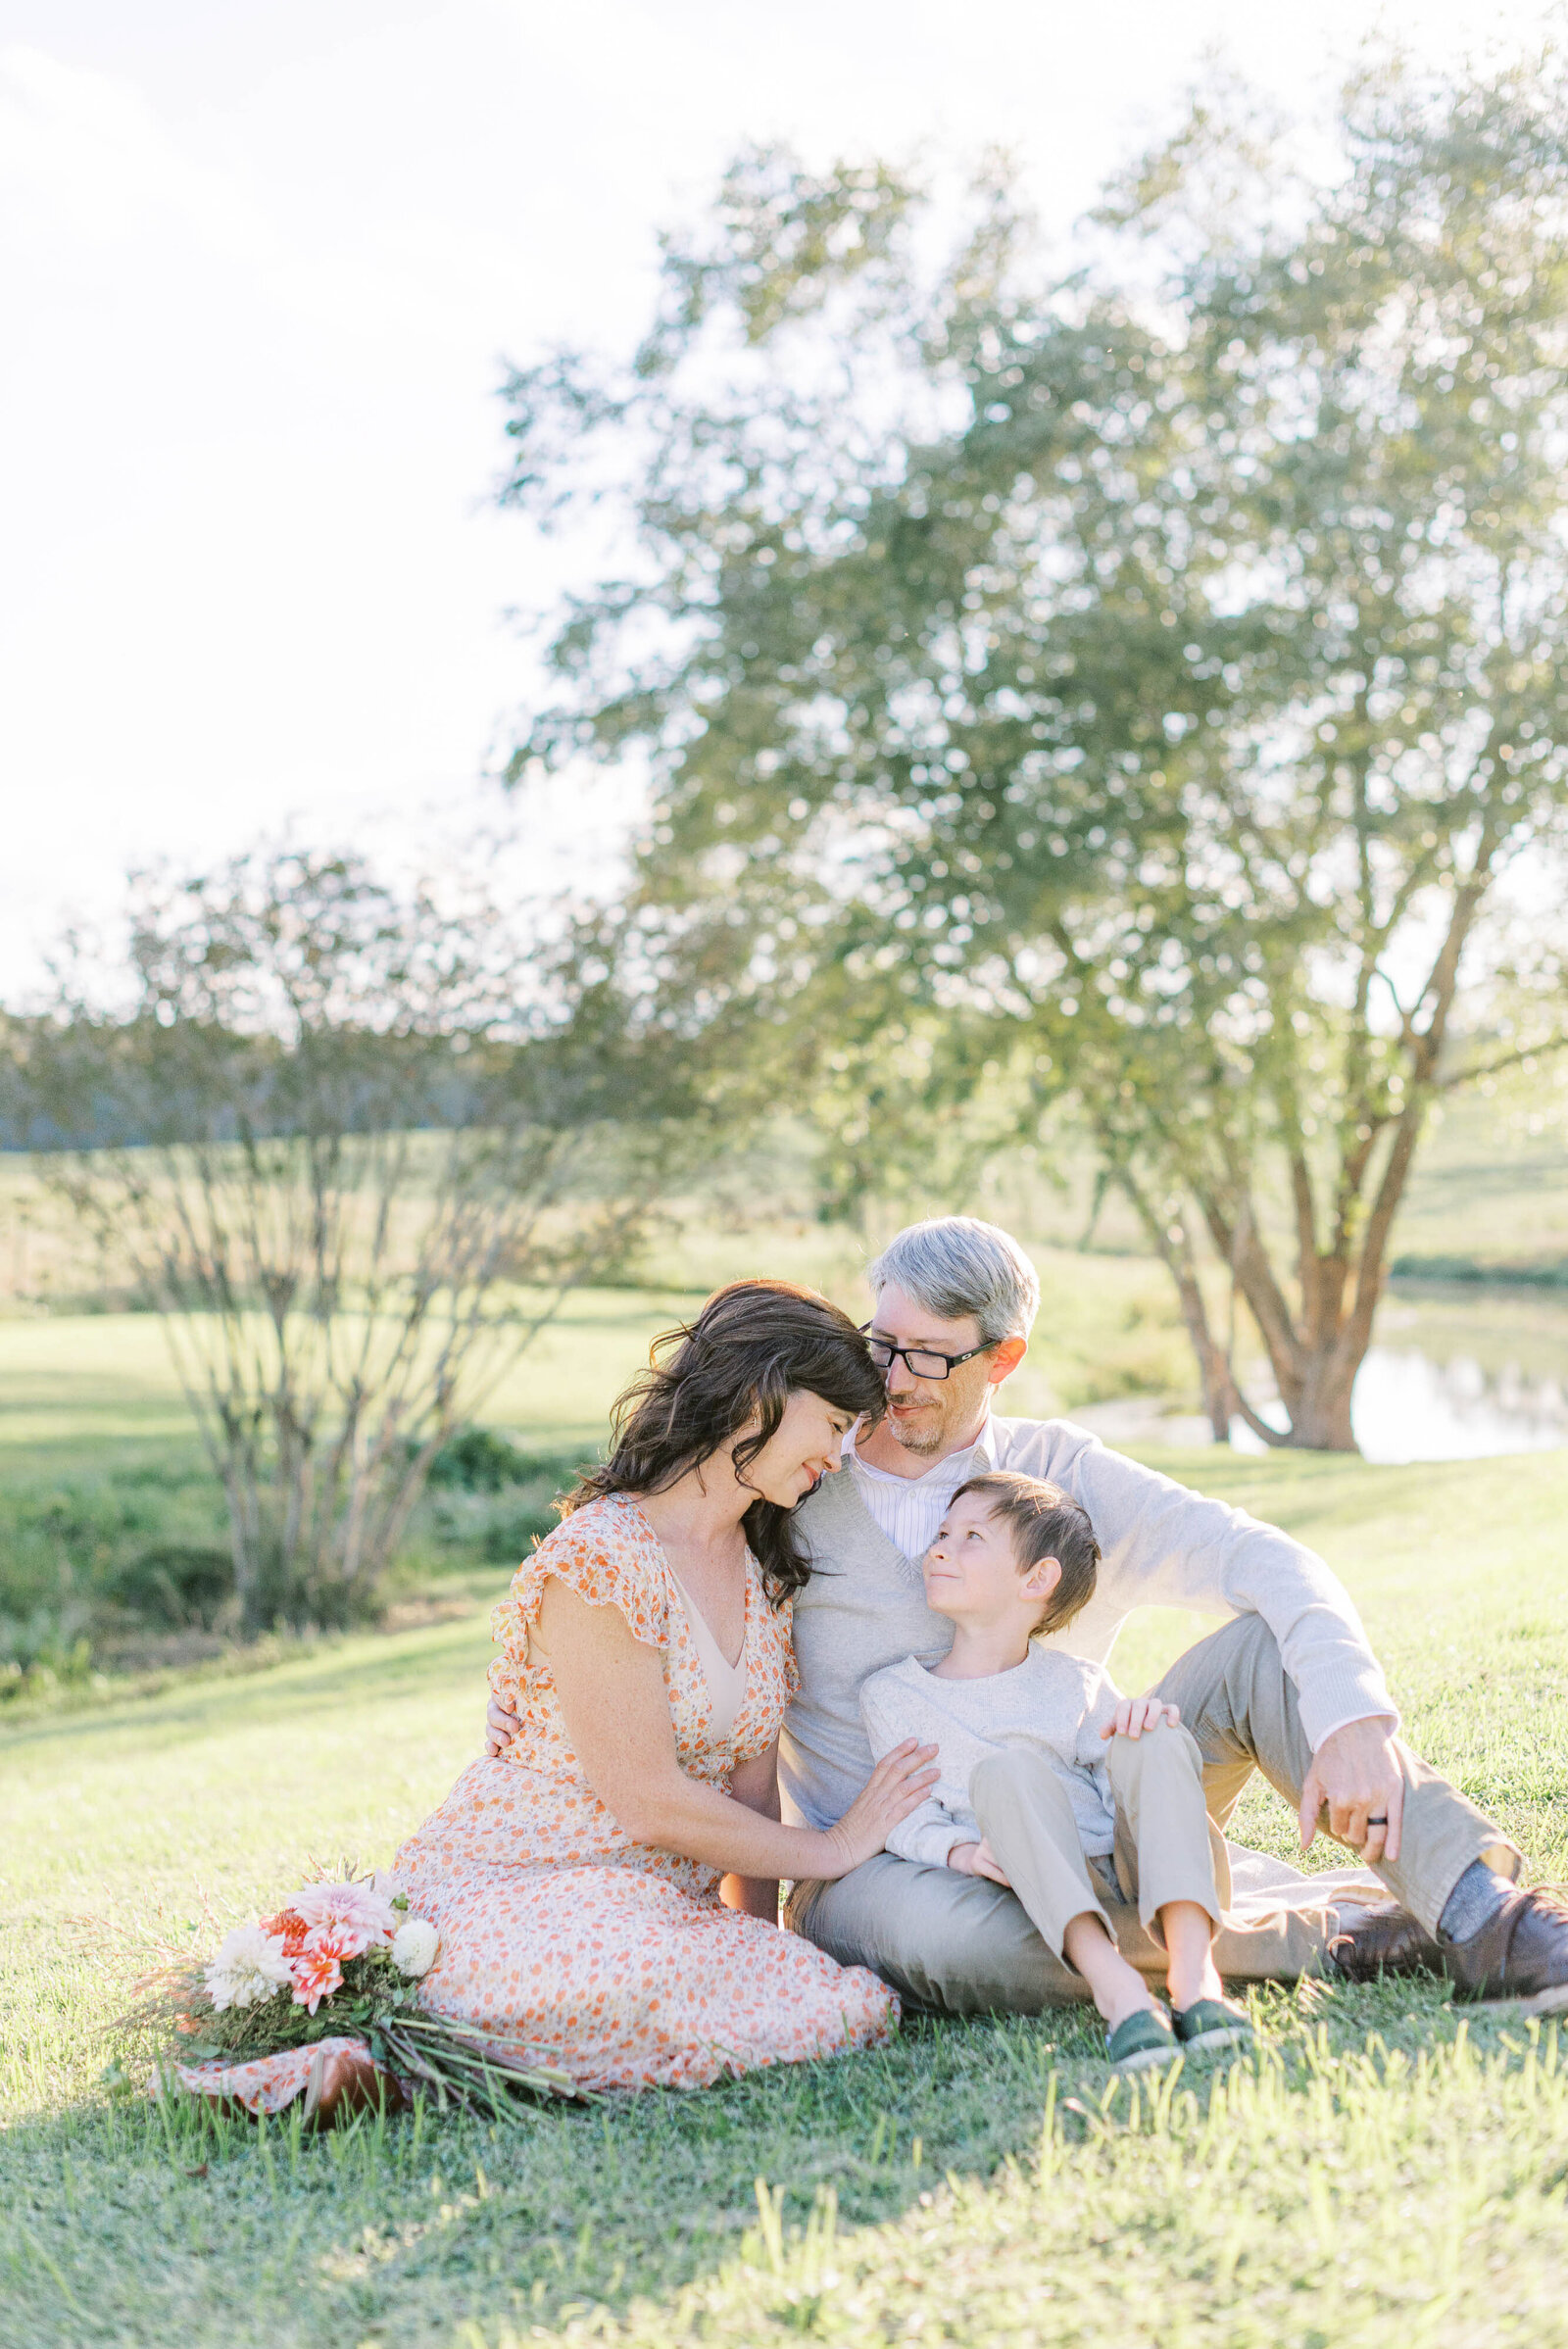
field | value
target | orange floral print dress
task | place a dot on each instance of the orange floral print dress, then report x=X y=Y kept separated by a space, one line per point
x=562 y=1935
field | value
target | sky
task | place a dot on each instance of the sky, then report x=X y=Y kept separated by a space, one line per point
x=262 y=262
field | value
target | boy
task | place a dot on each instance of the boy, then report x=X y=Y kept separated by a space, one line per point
x=1048 y=1776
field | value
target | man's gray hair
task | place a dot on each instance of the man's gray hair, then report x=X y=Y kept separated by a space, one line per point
x=953 y=1265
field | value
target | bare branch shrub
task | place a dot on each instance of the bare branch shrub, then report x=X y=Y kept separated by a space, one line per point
x=353 y=1145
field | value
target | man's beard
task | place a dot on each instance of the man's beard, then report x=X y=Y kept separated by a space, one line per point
x=927 y=1439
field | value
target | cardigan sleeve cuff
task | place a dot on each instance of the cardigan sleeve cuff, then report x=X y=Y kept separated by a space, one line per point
x=1339 y=1696
x=928 y=1841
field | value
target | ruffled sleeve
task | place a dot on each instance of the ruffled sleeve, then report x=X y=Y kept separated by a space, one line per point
x=608 y=1554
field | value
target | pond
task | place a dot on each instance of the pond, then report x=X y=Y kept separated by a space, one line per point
x=1457 y=1373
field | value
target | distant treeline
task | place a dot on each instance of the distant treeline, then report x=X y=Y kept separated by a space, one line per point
x=1493 y=1276
x=122 y=1086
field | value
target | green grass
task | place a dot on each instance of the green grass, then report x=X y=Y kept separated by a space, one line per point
x=1389 y=2170
x=1491 y=1186
x=1392 y=2169
x=77 y=1389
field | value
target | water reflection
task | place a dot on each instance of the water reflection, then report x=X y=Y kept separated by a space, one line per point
x=1457 y=1374
x=1458 y=1377
x=1406 y=1406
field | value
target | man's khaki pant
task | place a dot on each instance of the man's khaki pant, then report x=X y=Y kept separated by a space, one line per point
x=1165 y=1847
x=961 y=1945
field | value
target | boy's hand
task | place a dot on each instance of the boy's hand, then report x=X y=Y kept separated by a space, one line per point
x=1135 y=1714
x=500 y=1727
x=978 y=1859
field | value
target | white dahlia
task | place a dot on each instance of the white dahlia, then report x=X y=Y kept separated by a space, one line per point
x=249 y=1966
x=414 y=1945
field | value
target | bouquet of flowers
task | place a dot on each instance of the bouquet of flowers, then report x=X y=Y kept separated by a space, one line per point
x=322 y=2000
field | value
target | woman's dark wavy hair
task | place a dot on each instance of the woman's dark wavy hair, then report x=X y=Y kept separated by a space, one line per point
x=751 y=1347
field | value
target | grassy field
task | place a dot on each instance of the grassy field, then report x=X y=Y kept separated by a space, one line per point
x=78 y=1388
x=1390 y=2170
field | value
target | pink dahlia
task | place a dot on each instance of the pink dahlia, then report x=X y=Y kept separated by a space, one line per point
x=356 y=1913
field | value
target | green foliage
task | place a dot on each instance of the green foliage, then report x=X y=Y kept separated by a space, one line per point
x=480 y=1459
x=494 y=1500
x=177 y=1585
x=96 y=1566
x=1146 y=685
x=86 y=1557
x=499 y=1526
x=1465 y=1268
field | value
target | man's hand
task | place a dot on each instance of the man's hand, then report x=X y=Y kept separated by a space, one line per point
x=977 y=1859
x=1135 y=1714
x=1355 y=1776
x=500 y=1727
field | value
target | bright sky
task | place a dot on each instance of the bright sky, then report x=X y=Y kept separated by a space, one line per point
x=260 y=262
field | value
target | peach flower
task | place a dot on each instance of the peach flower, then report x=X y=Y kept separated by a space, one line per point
x=316 y=1975
x=291 y=1929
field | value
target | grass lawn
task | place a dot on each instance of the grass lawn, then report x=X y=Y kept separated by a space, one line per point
x=1391 y=2170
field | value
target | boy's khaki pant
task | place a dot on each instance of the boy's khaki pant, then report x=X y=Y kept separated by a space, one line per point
x=1166 y=1849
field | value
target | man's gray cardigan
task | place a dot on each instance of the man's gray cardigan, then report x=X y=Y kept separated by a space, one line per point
x=1162 y=1546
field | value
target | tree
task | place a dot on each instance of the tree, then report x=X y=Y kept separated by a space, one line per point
x=1144 y=686
x=356 y=1143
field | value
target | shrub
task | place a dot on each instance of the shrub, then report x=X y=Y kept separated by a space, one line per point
x=82 y=1553
x=179 y=1585
x=483 y=1460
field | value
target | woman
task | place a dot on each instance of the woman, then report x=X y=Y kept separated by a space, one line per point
x=576 y=1880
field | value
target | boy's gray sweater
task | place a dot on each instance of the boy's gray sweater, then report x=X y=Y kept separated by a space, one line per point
x=1164 y=1546
x=1052 y=1704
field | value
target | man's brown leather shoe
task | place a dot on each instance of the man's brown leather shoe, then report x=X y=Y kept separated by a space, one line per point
x=1383 y=1939
x=1523 y=1953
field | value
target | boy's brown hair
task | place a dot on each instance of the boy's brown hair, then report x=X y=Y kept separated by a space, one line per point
x=1045 y=1524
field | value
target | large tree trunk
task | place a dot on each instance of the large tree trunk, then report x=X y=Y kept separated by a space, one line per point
x=1314 y=1356
x=1320 y=1417
x=1316 y=1351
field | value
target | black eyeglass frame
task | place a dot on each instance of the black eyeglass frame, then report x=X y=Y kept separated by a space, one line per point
x=930 y=1353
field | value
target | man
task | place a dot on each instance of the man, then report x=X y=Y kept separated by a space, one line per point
x=1288 y=1685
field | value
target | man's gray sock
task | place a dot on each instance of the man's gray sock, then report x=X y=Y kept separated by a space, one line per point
x=1472 y=1904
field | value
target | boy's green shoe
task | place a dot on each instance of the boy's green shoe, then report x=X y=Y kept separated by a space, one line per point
x=1140 y=2041
x=1210 y=2024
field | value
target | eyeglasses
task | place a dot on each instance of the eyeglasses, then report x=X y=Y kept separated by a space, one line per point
x=922 y=1362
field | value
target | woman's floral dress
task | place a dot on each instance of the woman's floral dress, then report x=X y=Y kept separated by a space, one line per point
x=562 y=1935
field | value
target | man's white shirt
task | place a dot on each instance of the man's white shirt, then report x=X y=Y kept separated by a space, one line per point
x=909 y=1509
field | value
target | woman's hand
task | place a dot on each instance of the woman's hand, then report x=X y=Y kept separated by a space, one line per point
x=978 y=1859
x=897 y=1785
x=1135 y=1714
x=616 y=1710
